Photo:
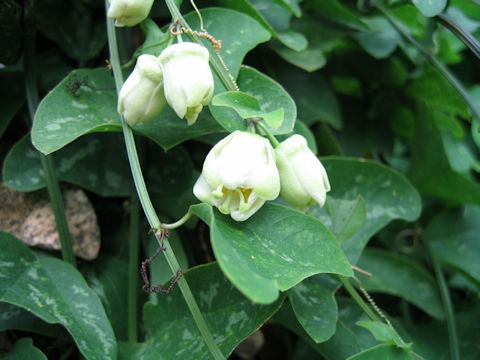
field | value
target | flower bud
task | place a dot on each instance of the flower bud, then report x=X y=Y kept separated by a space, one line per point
x=129 y=12
x=303 y=178
x=239 y=174
x=188 y=79
x=141 y=97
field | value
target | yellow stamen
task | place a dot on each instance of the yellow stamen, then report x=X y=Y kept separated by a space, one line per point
x=246 y=193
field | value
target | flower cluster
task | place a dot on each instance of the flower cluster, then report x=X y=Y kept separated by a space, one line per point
x=242 y=171
x=180 y=76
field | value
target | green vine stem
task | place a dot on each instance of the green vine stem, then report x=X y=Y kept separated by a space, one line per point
x=467 y=38
x=447 y=302
x=54 y=193
x=148 y=206
x=133 y=266
x=432 y=58
x=358 y=299
x=367 y=308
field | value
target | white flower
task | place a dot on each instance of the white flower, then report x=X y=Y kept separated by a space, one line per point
x=303 y=178
x=188 y=79
x=129 y=12
x=239 y=175
x=141 y=97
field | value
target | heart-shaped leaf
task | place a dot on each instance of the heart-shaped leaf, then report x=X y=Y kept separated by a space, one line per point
x=171 y=334
x=392 y=274
x=273 y=250
x=387 y=194
x=55 y=292
x=313 y=301
x=271 y=97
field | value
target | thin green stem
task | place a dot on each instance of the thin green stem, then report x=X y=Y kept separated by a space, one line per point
x=269 y=134
x=447 y=302
x=367 y=309
x=148 y=206
x=133 y=266
x=53 y=187
x=358 y=299
x=451 y=78
x=178 y=223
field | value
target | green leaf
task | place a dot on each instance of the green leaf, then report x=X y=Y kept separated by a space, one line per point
x=64 y=115
x=392 y=274
x=335 y=11
x=247 y=106
x=303 y=350
x=170 y=334
x=11 y=34
x=12 y=97
x=430 y=170
x=384 y=334
x=453 y=237
x=230 y=26
x=273 y=18
x=435 y=91
x=274 y=119
x=348 y=339
x=96 y=162
x=322 y=38
x=430 y=8
x=24 y=349
x=313 y=301
x=310 y=59
x=16 y=318
x=382 y=40
x=291 y=5
x=77 y=30
x=314 y=97
x=175 y=205
x=270 y=95
x=293 y=40
x=171 y=172
x=106 y=277
x=460 y=154
x=56 y=293
x=244 y=105
x=387 y=194
x=347 y=216
x=155 y=39
x=261 y=256
x=326 y=141
x=431 y=339
x=382 y=352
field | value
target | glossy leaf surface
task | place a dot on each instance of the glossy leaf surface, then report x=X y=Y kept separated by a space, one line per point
x=392 y=274
x=387 y=194
x=171 y=334
x=55 y=292
x=262 y=257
